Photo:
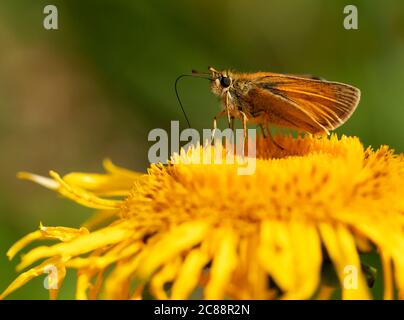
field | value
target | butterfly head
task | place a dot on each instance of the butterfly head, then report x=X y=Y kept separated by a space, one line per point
x=221 y=81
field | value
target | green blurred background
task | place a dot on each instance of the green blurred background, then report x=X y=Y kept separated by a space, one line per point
x=98 y=85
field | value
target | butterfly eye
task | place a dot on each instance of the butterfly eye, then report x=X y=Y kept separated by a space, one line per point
x=225 y=81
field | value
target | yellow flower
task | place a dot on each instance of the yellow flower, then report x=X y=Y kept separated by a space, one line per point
x=186 y=226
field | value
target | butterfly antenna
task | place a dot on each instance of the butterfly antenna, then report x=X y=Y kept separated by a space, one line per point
x=178 y=97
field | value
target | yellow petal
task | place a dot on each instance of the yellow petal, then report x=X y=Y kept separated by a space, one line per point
x=163 y=276
x=43 y=268
x=189 y=274
x=174 y=242
x=70 y=191
x=99 y=218
x=62 y=233
x=119 y=171
x=119 y=252
x=223 y=265
x=61 y=274
x=307 y=259
x=398 y=261
x=83 y=197
x=100 y=184
x=83 y=283
x=387 y=276
x=43 y=181
x=291 y=254
x=250 y=278
x=77 y=246
x=46 y=233
x=340 y=245
x=97 y=286
x=23 y=242
x=118 y=282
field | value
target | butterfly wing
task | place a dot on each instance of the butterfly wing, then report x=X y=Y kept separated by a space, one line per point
x=315 y=106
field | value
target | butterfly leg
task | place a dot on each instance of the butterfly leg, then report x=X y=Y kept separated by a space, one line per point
x=232 y=127
x=263 y=131
x=218 y=115
x=271 y=138
x=230 y=117
x=244 y=118
x=228 y=109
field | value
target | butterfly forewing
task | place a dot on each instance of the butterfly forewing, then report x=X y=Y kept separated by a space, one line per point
x=305 y=104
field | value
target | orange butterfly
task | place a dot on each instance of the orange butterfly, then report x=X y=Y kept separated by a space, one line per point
x=303 y=103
